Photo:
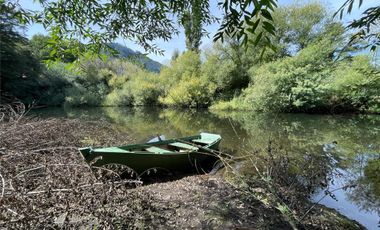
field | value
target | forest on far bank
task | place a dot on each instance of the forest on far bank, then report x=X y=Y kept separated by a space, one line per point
x=311 y=70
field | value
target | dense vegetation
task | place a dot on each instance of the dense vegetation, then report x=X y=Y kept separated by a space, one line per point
x=308 y=72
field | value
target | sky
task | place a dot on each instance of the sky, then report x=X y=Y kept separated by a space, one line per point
x=178 y=41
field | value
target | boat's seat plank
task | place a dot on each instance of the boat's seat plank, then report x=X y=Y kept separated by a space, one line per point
x=204 y=141
x=183 y=145
x=111 y=150
x=155 y=149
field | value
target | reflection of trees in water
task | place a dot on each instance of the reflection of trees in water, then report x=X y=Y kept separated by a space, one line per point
x=308 y=134
x=365 y=175
x=315 y=160
x=143 y=122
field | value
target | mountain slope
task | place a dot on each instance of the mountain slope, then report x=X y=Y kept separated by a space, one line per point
x=138 y=57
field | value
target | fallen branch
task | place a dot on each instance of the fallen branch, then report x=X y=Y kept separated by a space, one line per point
x=84 y=186
x=3 y=186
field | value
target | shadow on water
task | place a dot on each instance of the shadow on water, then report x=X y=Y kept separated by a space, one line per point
x=346 y=148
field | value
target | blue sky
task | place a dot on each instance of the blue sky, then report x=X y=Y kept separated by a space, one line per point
x=178 y=42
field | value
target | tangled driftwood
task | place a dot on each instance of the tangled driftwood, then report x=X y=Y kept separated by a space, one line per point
x=45 y=181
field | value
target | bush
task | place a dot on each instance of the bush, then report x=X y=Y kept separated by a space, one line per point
x=187 y=63
x=146 y=89
x=226 y=69
x=191 y=91
x=79 y=96
x=184 y=86
x=119 y=97
x=294 y=84
x=311 y=82
x=356 y=85
x=53 y=83
x=235 y=104
x=112 y=82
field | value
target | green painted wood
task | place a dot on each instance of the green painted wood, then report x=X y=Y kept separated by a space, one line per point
x=203 y=141
x=155 y=149
x=184 y=146
x=139 y=158
x=111 y=150
x=163 y=142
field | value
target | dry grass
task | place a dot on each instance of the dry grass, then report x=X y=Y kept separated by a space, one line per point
x=44 y=176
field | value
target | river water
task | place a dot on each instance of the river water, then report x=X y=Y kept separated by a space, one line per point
x=349 y=145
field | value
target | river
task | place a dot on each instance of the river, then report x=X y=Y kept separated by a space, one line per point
x=348 y=146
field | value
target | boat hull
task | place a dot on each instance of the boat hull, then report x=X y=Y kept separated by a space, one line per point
x=142 y=161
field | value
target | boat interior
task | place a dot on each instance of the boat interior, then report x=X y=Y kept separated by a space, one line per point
x=161 y=147
x=180 y=146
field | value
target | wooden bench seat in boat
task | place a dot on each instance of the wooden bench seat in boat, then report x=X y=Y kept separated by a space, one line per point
x=204 y=141
x=183 y=146
x=111 y=150
x=155 y=149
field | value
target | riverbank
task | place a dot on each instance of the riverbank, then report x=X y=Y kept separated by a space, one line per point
x=48 y=184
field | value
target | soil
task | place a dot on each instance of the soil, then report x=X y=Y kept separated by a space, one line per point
x=45 y=183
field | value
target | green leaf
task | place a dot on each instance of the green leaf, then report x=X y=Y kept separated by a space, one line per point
x=350 y=7
x=262 y=53
x=258 y=38
x=266 y=14
x=269 y=28
x=253 y=28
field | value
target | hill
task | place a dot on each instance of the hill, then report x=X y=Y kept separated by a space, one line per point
x=138 y=57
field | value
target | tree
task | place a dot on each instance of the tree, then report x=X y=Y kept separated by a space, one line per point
x=367 y=26
x=18 y=67
x=39 y=45
x=255 y=17
x=175 y=55
x=192 y=23
x=100 y=22
x=299 y=25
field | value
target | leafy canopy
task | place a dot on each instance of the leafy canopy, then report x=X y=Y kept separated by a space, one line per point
x=366 y=27
x=100 y=22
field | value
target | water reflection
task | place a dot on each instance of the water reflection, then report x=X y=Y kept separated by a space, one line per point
x=345 y=148
x=365 y=175
x=357 y=192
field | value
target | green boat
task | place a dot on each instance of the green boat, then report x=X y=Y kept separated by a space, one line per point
x=174 y=155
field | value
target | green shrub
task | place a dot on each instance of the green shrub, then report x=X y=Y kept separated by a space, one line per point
x=146 y=88
x=53 y=83
x=191 y=91
x=236 y=103
x=311 y=82
x=294 y=84
x=221 y=74
x=356 y=85
x=183 y=84
x=92 y=95
x=119 y=97
x=185 y=64
x=112 y=82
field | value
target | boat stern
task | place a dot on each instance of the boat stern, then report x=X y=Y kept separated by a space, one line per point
x=85 y=151
x=211 y=139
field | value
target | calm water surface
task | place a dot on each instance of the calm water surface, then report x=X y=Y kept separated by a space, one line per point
x=350 y=145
